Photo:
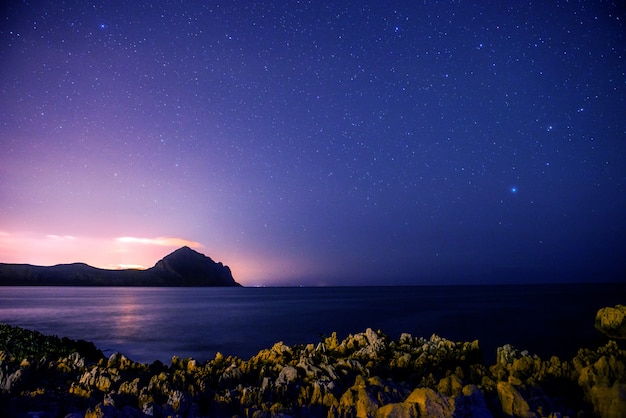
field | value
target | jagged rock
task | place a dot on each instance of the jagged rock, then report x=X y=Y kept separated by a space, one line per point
x=118 y=361
x=130 y=388
x=612 y=322
x=101 y=411
x=507 y=354
x=450 y=386
x=398 y=410
x=98 y=379
x=76 y=361
x=405 y=339
x=192 y=365
x=78 y=390
x=371 y=345
x=513 y=403
x=609 y=401
x=602 y=375
x=151 y=410
x=231 y=374
x=365 y=375
x=358 y=401
x=14 y=380
x=401 y=360
x=178 y=401
x=331 y=343
x=431 y=403
x=322 y=394
x=287 y=376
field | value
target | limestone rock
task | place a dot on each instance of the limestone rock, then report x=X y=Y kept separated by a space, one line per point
x=365 y=375
x=431 y=403
x=609 y=402
x=13 y=380
x=513 y=404
x=612 y=322
x=450 y=386
x=118 y=361
x=286 y=376
x=602 y=376
x=101 y=411
x=398 y=410
x=358 y=401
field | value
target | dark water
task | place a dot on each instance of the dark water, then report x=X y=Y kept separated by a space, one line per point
x=147 y=324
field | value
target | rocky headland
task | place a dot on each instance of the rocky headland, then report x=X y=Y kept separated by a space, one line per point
x=183 y=267
x=363 y=375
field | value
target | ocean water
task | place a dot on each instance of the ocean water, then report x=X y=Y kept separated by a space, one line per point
x=148 y=324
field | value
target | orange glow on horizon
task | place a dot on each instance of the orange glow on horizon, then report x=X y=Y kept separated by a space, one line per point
x=140 y=253
x=127 y=267
x=106 y=253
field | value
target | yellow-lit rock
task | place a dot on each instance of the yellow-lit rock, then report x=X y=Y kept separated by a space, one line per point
x=513 y=404
x=357 y=401
x=431 y=403
x=612 y=321
x=398 y=410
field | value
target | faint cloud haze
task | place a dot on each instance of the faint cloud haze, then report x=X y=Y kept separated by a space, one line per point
x=160 y=241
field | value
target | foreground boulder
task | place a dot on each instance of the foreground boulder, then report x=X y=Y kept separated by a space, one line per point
x=365 y=375
x=612 y=322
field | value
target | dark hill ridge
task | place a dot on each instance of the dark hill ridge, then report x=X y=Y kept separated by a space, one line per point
x=194 y=269
x=183 y=267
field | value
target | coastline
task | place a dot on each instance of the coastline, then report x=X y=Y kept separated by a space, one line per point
x=366 y=374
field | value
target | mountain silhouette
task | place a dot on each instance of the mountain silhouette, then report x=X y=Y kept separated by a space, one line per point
x=183 y=267
x=194 y=269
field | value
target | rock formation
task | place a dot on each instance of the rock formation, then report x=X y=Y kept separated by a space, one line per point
x=183 y=267
x=612 y=322
x=364 y=375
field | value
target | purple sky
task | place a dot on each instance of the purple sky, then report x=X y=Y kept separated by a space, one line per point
x=318 y=142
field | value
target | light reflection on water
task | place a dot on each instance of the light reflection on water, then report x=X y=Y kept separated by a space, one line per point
x=125 y=319
x=148 y=324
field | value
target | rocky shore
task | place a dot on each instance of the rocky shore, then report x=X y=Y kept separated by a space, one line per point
x=363 y=375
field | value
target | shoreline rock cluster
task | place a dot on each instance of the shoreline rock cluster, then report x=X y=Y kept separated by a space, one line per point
x=364 y=375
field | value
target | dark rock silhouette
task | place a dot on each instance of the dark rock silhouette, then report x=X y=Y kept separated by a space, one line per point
x=183 y=267
x=190 y=268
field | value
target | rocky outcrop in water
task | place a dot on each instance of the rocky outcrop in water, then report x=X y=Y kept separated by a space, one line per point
x=612 y=322
x=364 y=375
x=183 y=267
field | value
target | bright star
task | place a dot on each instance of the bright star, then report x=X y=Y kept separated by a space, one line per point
x=513 y=189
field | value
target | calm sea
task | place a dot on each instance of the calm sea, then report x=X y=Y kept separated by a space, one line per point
x=148 y=324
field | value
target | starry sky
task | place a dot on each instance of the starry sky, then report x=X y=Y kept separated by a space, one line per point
x=318 y=143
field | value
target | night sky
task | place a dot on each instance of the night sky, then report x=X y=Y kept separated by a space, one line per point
x=318 y=143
